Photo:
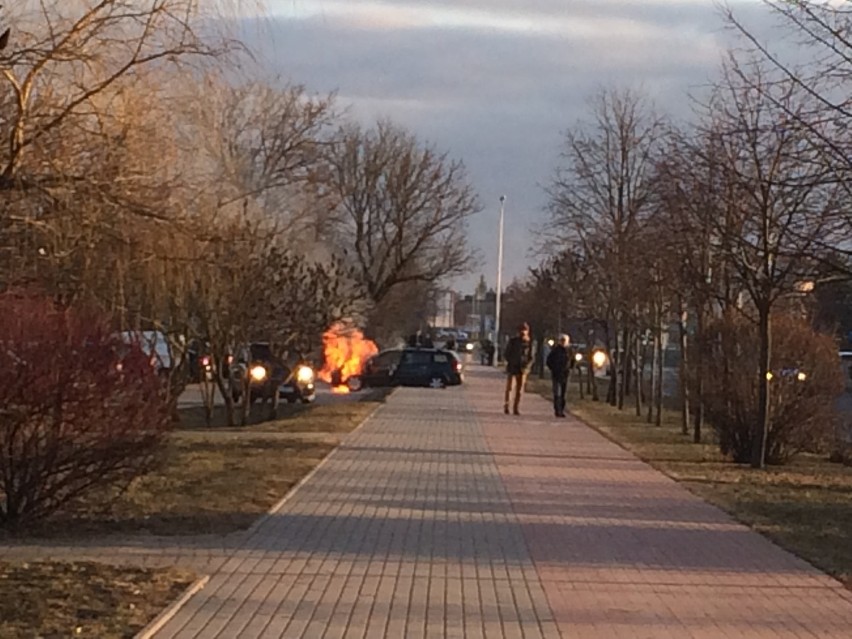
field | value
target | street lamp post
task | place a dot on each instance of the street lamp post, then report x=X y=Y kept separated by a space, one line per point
x=498 y=307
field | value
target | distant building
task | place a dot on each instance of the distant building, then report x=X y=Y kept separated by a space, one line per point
x=476 y=314
x=445 y=310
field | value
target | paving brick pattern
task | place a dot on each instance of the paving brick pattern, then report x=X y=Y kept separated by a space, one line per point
x=623 y=551
x=441 y=517
x=407 y=531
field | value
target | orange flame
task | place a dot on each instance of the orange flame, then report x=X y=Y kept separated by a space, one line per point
x=345 y=350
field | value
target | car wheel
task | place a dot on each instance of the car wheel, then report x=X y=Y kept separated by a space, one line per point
x=437 y=382
x=355 y=384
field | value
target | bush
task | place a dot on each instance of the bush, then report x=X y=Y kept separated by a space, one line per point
x=806 y=380
x=79 y=410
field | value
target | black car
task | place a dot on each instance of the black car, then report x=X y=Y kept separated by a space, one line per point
x=413 y=367
x=268 y=374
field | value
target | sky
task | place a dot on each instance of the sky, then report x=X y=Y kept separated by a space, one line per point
x=496 y=83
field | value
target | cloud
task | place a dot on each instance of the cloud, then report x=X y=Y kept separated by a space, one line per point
x=495 y=82
x=581 y=21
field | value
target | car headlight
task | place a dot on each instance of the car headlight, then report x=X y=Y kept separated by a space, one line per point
x=599 y=359
x=469 y=346
x=578 y=357
x=258 y=373
x=305 y=374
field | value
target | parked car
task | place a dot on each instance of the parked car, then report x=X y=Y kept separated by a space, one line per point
x=201 y=362
x=155 y=345
x=268 y=374
x=413 y=367
x=299 y=384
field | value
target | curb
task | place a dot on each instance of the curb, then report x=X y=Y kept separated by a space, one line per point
x=290 y=493
x=166 y=615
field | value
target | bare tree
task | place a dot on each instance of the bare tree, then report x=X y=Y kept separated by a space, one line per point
x=402 y=208
x=784 y=210
x=599 y=200
x=821 y=69
x=84 y=51
x=822 y=32
x=267 y=145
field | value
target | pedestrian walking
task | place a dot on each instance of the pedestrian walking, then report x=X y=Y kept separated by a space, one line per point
x=560 y=361
x=519 y=360
x=488 y=352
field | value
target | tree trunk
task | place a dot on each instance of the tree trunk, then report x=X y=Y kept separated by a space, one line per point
x=228 y=396
x=246 y=396
x=684 y=368
x=761 y=426
x=612 y=355
x=273 y=409
x=208 y=395
x=539 y=355
x=592 y=387
x=638 y=375
x=625 y=353
x=698 y=418
x=654 y=362
x=658 y=398
x=580 y=380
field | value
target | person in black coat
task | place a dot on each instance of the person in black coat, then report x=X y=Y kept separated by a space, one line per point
x=560 y=361
x=519 y=361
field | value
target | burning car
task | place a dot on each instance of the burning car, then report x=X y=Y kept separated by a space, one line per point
x=346 y=350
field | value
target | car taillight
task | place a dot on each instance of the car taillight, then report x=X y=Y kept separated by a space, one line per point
x=458 y=366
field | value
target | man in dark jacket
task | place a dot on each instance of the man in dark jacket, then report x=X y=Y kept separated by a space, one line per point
x=560 y=361
x=519 y=360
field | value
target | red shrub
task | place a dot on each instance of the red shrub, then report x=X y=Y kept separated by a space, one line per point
x=78 y=409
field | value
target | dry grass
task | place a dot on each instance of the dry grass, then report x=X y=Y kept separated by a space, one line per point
x=805 y=507
x=59 y=600
x=290 y=416
x=215 y=481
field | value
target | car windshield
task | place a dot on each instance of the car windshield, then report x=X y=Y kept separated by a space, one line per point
x=385 y=359
x=261 y=351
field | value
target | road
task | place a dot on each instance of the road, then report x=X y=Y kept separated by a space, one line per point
x=192 y=396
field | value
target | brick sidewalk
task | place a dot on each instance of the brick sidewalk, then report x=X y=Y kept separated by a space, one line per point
x=441 y=517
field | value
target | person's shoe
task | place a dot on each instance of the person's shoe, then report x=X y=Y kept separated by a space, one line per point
x=516 y=412
x=506 y=410
x=563 y=415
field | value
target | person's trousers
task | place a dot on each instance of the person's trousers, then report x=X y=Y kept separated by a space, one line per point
x=560 y=387
x=519 y=381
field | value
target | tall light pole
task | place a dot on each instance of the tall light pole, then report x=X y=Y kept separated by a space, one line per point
x=499 y=280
